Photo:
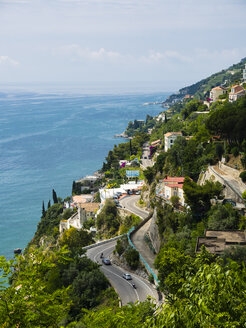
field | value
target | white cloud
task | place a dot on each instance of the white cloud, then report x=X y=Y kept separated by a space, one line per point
x=6 y=60
x=76 y=52
x=156 y=56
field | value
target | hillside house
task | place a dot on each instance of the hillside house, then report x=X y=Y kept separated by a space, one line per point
x=170 y=137
x=216 y=92
x=171 y=186
x=85 y=211
x=216 y=241
x=237 y=91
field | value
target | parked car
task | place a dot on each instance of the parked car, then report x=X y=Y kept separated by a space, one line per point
x=106 y=261
x=130 y=192
x=127 y=276
x=229 y=201
x=138 y=192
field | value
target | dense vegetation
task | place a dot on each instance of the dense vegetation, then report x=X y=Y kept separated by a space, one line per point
x=55 y=285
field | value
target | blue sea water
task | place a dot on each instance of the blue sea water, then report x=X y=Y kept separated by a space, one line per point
x=47 y=140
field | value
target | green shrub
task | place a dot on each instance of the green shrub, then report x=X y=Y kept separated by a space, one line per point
x=119 y=247
x=132 y=258
x=243 y=176
x=151 y=278
x=235 y=151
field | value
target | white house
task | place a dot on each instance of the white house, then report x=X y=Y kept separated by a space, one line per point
x=170 y=137
x=172 y=186
x=85 y=211
x=216 y=92
x=237 y=91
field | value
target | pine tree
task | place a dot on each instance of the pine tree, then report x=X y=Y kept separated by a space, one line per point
x=165 y=117
x=54 y=196
x=43 y=210
x=48 y=204
x=74 y=187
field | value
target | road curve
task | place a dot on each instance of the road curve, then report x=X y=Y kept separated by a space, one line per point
x=129 y=203
x=114 y=274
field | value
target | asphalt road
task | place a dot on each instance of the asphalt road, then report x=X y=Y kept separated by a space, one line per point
x=138 y=237
x=145 y=156
x=129 y=203
x=114 y=274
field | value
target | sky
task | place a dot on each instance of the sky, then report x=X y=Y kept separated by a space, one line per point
x=172 y=43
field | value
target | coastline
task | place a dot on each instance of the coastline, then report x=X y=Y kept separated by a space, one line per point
x=60 y=149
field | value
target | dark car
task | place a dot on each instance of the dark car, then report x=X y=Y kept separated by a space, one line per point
x=106 y=261
x=229 y=201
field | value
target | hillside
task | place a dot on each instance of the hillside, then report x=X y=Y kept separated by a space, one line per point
x=201 y=89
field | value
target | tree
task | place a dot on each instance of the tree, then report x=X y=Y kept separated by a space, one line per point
x=48 y=206
x=219 y=150
x=198 y=197
x=172 y=265
x=149 y=174
x=54 y=196
x=223 y=217
x=43 y=210
x=132 y=258
x=75 y=239
x=243 y=176
x=211 y=296
x=28 y=302
x=175 y=201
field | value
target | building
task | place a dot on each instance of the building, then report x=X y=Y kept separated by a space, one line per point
x=171 y=186
x=88 y=182
x=156 y=143
x=170 y=137
x=237 y=91
x=85 y=211
x=216 y=241
x=244 y=74
x=216 y=92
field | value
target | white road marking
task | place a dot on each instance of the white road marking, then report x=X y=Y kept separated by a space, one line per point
x=124 y=280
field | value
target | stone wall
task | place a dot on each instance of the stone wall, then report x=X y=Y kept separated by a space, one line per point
x=228 y=192
x=154 y=233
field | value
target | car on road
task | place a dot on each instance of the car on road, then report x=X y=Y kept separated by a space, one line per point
x=127 y=276
x=106 y=261
x=229 y=201
x=138 y=192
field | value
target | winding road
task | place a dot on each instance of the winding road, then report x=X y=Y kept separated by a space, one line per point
x=129 y=203
x=114 y=274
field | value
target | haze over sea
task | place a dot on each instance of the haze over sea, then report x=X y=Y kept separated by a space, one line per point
x=52 y=136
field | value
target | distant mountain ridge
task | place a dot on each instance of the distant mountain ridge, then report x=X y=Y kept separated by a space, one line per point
x=201 y=89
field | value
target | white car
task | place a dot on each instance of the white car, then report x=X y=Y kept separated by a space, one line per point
x=127 y=276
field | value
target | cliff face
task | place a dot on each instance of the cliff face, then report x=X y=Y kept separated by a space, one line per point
x=154 y=234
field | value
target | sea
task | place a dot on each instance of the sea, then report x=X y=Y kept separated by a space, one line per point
x=52 y=135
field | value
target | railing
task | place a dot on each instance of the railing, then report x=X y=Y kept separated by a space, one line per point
x=130 y=232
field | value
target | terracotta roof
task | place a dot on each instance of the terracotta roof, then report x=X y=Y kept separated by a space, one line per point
x=168 y=134
x=90 y=207
x=78 y=199
x=237 y=89
x=218 y=88
x=155 y=142
x=174 y=179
